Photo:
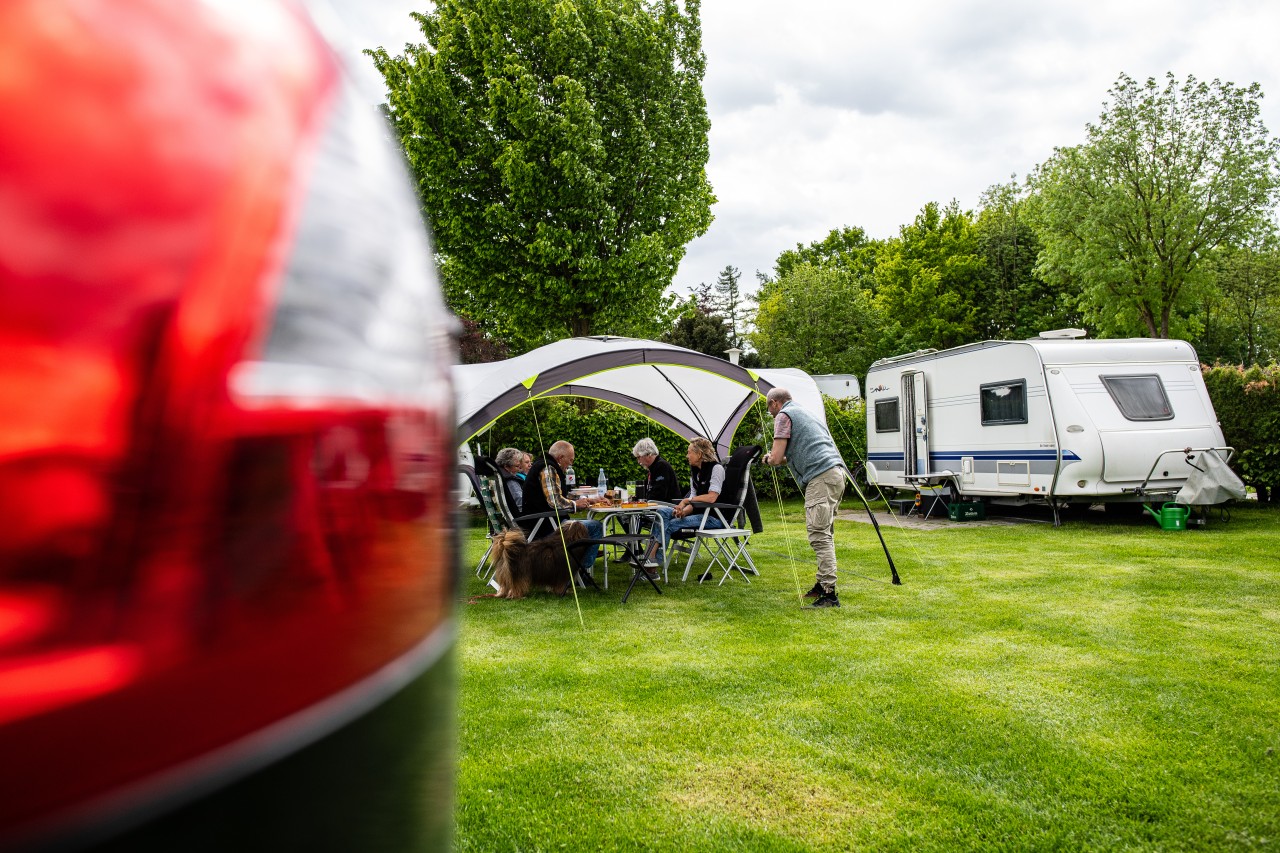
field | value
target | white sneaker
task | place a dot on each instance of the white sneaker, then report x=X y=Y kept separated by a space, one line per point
x=652 y=564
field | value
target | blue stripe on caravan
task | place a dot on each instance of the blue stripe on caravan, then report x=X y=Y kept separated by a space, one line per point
x=1002 y=455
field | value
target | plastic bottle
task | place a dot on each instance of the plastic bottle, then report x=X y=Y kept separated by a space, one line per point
x=602 y=484
x=570 y=479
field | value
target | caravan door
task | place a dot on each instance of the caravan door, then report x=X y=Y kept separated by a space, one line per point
x=915 y=419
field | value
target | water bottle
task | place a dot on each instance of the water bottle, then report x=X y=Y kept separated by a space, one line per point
x=602 y=484
x=570 y=478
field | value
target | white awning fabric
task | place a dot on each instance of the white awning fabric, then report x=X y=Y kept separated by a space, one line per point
x=688 y=392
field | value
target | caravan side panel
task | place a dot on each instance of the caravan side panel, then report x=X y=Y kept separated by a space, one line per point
x=989 y=423
x=1128 y=446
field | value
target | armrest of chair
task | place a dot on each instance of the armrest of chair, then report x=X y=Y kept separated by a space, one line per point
x=536 y=516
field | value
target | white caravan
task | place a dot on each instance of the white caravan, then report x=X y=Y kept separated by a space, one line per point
x=840 y=386
x=1055 y=419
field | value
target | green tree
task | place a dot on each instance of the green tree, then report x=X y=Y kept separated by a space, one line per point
x=729 y=301
x=701 y=329
x=931 y=279
x=820 y=319
x=1017 y=303
x=846 y=248
x=560 y=149
x=1166 y=175
x=1247 y=307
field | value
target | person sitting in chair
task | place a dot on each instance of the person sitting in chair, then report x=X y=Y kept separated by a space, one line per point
x=510 y=462
x=661 y=484
x=706 y=479
x=545 y=490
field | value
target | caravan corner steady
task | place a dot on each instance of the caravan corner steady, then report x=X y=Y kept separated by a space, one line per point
x=1053 y=419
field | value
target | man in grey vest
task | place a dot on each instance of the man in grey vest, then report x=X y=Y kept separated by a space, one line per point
x=803 y=442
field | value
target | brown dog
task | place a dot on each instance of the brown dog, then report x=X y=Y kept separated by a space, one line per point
x=520 y=564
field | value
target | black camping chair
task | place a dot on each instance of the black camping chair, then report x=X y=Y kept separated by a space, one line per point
x=530 y=523
x=727 y=545
x=498 y=523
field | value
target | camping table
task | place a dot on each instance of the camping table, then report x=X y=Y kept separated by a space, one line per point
x=633 y=545
x=628 y=517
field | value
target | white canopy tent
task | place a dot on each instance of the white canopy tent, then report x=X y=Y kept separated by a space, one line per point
x=688 y=392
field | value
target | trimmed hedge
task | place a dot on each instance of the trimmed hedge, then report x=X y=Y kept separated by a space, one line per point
x=603 y=434
x=1248 y=405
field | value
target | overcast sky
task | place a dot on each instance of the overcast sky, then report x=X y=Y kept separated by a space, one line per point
x=826 y=114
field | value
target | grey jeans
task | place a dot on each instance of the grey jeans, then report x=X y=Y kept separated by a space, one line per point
x=821 y=500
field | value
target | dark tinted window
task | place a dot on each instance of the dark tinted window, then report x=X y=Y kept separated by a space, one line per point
x=887 y=415
x=1004 y=403
x=1140 y=398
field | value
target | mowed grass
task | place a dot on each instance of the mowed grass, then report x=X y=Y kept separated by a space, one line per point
x=1097 y=686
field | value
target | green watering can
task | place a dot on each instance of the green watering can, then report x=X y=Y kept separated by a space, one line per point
x=1171 y=516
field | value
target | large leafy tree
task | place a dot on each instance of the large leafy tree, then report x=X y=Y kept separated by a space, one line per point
x=1016 y=302
x=1242 y=323
x=820 y=318
x=847 y=248
x=1166 y=174
x=560 y=149
x=932 y=279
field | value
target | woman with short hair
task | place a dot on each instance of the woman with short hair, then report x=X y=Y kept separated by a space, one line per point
x=511 y=467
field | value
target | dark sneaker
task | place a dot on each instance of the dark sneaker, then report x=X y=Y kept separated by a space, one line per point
x=706 y=576
x=816 y=592
x=827 y=599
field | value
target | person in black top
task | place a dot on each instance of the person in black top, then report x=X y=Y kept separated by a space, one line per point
x=545 y=490
x=661 y=483
x=706 y=478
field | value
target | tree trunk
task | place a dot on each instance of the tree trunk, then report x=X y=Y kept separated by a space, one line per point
x=580 y=326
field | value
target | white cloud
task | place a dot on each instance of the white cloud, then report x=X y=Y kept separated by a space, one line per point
x=827 y=113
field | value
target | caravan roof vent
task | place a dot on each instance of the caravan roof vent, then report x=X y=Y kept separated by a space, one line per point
x=1064 y=333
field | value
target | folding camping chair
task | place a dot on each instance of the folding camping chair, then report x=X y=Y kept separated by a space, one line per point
x=487 y=484
x=727 y=545
x=498 y=523
x=488 y=469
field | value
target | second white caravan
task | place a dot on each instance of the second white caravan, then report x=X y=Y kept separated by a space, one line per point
x=1056 y=419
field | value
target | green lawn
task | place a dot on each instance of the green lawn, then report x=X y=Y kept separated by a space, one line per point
x=1094 y=686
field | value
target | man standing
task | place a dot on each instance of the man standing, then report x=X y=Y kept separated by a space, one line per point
x=803 y=442
x=545 y=490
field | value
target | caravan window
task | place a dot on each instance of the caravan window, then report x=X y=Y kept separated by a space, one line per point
x=887 y=415
x=1140 y=398
x=1004 y=402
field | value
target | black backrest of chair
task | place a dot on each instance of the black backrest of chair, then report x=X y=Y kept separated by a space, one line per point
x=489 y=469
x=485 y=494
x=737 y=473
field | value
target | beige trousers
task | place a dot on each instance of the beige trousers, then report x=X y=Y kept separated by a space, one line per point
x=821 y=500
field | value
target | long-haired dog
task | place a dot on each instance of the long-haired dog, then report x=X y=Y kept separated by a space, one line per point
x=519 y=564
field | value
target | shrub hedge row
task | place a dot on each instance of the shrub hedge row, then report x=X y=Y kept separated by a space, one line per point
x=1247 y=401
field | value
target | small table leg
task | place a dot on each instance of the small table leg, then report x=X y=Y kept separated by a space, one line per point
x=636 y=559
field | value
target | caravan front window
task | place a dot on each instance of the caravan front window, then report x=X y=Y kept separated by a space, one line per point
x=1140 y=398
x=887 y=415
x=1004 y=402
